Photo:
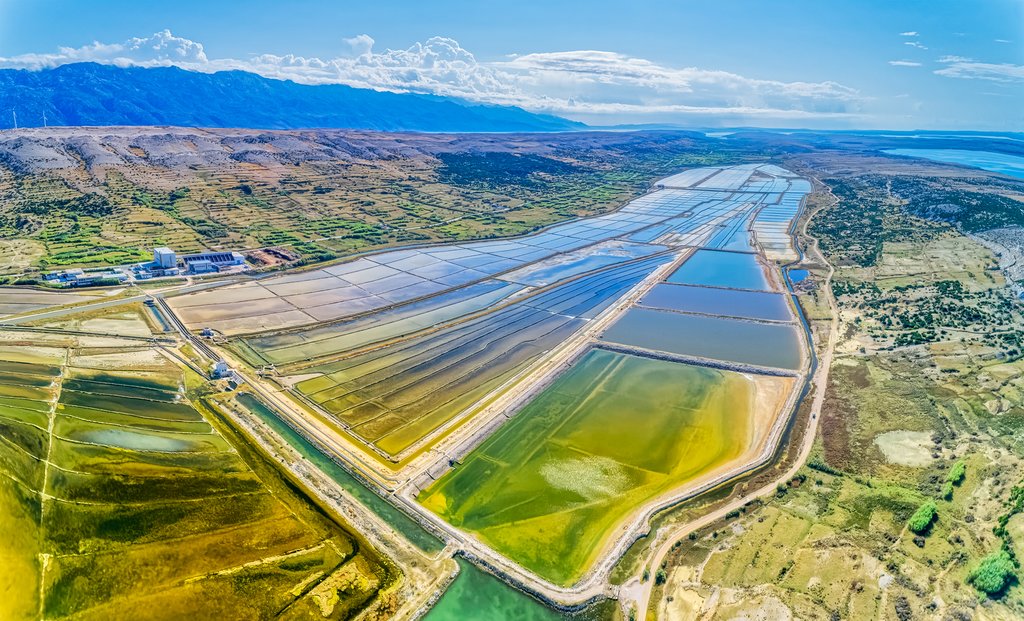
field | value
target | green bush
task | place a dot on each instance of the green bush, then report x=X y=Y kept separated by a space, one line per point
x=923 y=517
x=994 y=573
x=947 y=491
x=957 y=473
x=820 y=466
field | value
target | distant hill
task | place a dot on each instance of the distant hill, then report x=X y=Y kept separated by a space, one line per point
x=92 y=94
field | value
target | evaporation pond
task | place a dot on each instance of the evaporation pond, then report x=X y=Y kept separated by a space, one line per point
x=715 y=268
x=554 y=483
x=570 y=264
x=136 y=441
x=712 y=301
x=718 y=338
x=475 y=593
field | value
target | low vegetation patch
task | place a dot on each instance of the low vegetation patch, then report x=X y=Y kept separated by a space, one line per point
x=921 y=521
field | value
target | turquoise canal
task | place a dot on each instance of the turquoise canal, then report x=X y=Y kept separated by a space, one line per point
x=1012 y=165
x=383 y=509
x=736 y=270
x=478 y=595
x=712 y=301
x=717 y=338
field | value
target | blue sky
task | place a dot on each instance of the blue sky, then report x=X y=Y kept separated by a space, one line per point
x=841 y=63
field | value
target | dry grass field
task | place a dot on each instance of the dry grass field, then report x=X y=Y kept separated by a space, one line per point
x=94 y=197
x=125 y=495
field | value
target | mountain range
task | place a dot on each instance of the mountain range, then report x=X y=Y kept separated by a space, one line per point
x=90 y=94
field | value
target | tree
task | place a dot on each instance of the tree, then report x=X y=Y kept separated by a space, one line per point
x=947 y=491
x=923 y=517
x=957 y=473
x=994 y=573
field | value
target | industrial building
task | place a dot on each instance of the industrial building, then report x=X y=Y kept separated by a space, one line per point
x=165 y=263
x=207 y=262
x=164 y=258
x=80 y=278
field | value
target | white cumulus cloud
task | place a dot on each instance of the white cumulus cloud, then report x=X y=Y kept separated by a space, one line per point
x=160 y=49
x=360 y=44
x=909 y=33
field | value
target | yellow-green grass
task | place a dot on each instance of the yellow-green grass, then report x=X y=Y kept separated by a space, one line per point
x=146 y=507
x=614 y=432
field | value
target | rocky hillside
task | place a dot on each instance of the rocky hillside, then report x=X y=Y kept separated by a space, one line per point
x=92 y=94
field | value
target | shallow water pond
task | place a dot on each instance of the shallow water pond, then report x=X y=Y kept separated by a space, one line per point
x=715 y=268
x=476 y=594
x=712 y=301
x=718 y=338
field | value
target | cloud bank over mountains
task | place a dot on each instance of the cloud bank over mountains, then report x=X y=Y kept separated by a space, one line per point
x=590 y=85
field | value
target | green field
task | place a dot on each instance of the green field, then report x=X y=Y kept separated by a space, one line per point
x=615 y=431
x=122 y=497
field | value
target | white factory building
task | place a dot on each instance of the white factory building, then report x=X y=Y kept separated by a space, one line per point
x=166 y=263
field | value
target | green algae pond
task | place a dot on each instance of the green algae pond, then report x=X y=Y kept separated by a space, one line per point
x=415 y=533
x=551 y=486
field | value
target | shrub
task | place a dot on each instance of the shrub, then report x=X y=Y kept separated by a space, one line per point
x=660 y=577
x=947 y=491
x=993 y=574
x=957 y=473
x=820 y=466
x=903 y=610
x=923 y=517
